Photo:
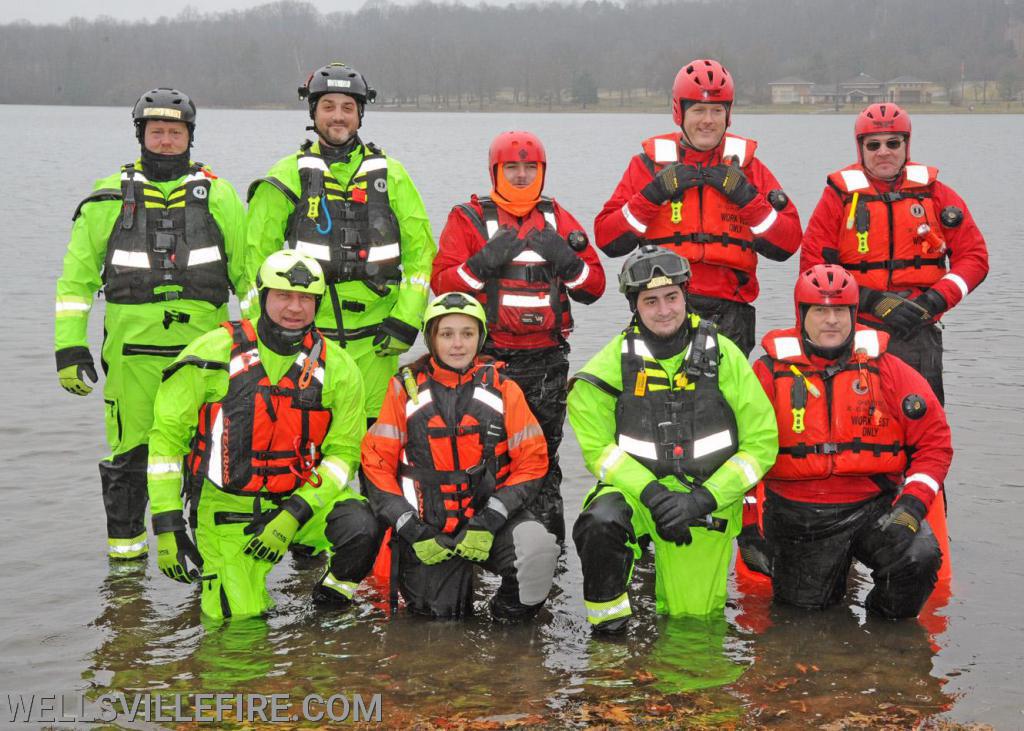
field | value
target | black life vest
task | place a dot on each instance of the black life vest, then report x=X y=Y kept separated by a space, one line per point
x=164 y=249
x=526 y=297
x=348 y=227
x=684 y=426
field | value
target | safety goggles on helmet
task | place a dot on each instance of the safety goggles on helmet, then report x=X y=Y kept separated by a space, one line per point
x=651 y=267
x=876 y=145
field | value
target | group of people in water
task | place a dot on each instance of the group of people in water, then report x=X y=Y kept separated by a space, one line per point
x=297 y=428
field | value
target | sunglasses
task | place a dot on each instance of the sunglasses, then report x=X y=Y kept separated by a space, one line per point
x=875 y=145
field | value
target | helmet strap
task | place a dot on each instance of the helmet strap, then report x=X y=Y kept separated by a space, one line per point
x=279 y=339
x=338 y=153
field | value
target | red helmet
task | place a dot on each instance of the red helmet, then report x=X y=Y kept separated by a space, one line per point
x=701 y=80
x=825 y=284
x=515 y=147
x=884 y=118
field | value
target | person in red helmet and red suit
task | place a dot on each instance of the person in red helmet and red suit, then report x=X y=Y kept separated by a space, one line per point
x=907 y=238
x=704 y=194
x=524 y=257
x=863 y=449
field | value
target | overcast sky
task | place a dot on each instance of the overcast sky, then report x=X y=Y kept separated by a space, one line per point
x=58 y=11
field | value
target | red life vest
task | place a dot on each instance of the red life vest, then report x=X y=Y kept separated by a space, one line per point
x=526 y=297
x=704 y=226
x=832 y=422
x=262 y=436
x=891 y=239
x=450 y=470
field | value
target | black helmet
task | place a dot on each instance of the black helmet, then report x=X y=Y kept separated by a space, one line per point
x=336 y=78
x=168 y=105
x=650 y=267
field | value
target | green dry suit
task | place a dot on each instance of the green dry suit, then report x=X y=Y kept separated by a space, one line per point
x=682 y=421
x=364 y=221
x=234 y=583
x=165 y=255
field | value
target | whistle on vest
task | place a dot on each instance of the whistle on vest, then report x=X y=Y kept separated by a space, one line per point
x=930 y=241
x=862 y=220
x=798 y=397
x=641 y=384
x=409 y=381
x=314 y=208
x=677 y=211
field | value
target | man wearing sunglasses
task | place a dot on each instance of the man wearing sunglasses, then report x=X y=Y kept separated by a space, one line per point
x=675 y=426
x=907 y=238
x=703 y=194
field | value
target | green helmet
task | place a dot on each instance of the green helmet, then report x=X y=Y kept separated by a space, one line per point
x=292 y=271
x=455 y=303
x=650 y=267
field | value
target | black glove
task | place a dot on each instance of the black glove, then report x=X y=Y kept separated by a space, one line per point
x=901 y=315
x=754 y=550
x=555 y=250
x=393 y=337
x=499 y=250
x=671 y=182
x=892 y=534
x=932 y=301
x=731 y=182
x=673 y=510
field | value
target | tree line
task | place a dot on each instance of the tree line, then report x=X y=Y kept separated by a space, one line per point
x=452 y=56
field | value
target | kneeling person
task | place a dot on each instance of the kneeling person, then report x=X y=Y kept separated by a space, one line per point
x=451 y=463
x=671 y=421
x=844 y=487
x=277 y=416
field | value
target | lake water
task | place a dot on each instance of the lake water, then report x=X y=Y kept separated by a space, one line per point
x=73 y=623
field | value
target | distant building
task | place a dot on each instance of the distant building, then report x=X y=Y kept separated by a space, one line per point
x=908 y=90
x=791 y=90
x=859 y=91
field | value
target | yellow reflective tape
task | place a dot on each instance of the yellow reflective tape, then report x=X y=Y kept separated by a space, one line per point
x=598 y=612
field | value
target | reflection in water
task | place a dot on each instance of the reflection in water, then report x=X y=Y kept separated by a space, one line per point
x=769 y=664
x=140 y=639
x=841 y=665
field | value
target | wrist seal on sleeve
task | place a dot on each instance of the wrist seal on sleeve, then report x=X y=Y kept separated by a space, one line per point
x=75 y=355
x=168 y=522
x=298 y=509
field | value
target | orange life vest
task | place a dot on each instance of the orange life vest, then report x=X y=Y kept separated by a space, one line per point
x=704 y=226
x=262 y=436
x=456 y=455
x=891 y=239
x=832 y=422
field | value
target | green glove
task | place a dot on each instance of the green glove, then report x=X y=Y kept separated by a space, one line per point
x=272 y=537
x=174 y=550
x=430 y=551
x=72 y=378
x=474 y=544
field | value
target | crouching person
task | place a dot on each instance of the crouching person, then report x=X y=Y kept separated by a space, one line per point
x=268 y=416
x=844 y=487
x=450 y=463
x=675 y=427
